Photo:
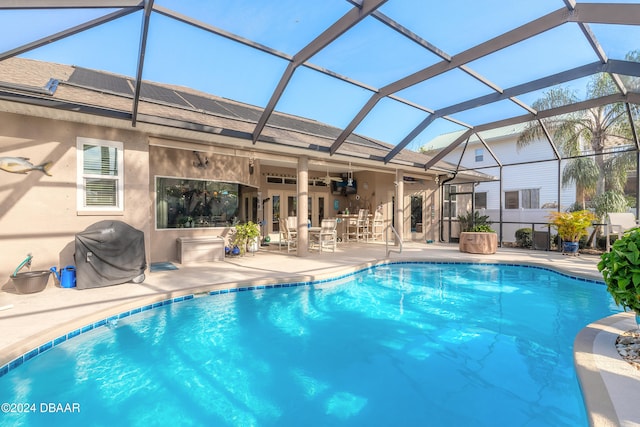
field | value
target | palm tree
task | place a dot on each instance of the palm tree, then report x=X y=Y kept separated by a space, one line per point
x=595 y=132
x=584 y=172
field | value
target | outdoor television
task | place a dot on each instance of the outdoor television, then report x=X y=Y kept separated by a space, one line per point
x=353 y=189
x=336 y=188
x=342 y=189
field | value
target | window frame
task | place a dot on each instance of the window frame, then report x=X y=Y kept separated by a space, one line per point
x=517 y=194
x=479 y=155
x=448 y=203
x=524 y=198
x=527 y=195
x=475 y=199
x=81 y=176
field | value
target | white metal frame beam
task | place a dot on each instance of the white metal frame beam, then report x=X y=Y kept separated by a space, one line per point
x=582 y=14
x=350 y=19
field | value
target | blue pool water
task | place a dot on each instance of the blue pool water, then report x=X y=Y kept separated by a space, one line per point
x=400 y=344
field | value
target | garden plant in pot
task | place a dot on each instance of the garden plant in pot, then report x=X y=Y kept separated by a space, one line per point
x=571 y=227
x=620 y=270
x=246 y=237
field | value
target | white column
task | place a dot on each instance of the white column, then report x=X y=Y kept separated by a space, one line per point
x=303 y=205
x=399 y=213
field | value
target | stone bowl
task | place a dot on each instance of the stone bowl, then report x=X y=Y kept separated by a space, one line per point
x=30 y=282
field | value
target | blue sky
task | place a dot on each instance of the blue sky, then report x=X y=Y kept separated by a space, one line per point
x=370 y=53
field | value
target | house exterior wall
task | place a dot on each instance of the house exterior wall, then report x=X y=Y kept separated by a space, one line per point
x=38 y=213
x=535 y=168
x=179 y=163
x=526 y=168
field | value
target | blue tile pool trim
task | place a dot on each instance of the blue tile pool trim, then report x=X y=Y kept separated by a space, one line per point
x=5 y=369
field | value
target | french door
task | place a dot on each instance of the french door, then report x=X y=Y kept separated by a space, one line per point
x=284 y=204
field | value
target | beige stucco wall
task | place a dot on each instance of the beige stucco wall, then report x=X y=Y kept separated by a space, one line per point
x=179 y=163
x=38 y=212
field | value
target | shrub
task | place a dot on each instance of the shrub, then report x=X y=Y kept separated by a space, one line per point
x=609 y=201
x=523 y=238
x=482 y=228
x=582 y=243
x=572 y=226
x=601 y=243
x=470 y=219
x=620 y=269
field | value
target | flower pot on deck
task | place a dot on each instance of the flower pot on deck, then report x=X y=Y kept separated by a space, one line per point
x=478 y=242
x=570 y=248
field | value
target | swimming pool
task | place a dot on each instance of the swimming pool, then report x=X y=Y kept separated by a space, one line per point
x=398 y=344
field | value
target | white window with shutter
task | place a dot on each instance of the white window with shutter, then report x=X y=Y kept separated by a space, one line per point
x=100 y=175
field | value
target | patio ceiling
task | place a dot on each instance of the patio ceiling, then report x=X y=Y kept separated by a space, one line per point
x=400 y=72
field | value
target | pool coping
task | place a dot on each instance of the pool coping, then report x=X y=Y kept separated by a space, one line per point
x=38 y=343
x=594 y=354
x=605 y=378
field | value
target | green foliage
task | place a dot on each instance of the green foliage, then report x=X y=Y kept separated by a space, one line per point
x=244 y=234
x=582 y=243
x=583 y=171
x=575 y=206
x=600 y=127
x=620 y=269
x=616 y=169
x=609 y=201
x=601 y=243
x=631 y=201
x=524 y=237
x=572 y=226
x=471 y=219
x=482 y=228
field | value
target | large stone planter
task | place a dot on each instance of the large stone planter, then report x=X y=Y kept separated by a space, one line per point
x=478 y=242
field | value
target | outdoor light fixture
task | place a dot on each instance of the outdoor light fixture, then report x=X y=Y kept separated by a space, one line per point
x=350 y=177
x=251 y=166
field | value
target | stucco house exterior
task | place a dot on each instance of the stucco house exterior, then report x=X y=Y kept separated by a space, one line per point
x=185 y=167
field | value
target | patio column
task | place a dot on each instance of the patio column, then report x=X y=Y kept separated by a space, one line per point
x=303 y=205
x=399 y=213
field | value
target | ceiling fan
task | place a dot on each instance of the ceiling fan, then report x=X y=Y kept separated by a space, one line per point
x=329 y=179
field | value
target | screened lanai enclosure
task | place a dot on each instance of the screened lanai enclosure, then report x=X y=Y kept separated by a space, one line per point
x=539 y=100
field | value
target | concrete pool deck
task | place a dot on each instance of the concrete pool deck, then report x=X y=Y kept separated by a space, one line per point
x=610 y=385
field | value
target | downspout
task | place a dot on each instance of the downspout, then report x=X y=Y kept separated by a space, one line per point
x=442 y=204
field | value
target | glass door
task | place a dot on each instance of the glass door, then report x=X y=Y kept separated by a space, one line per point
x=321 y=209
x=285 y=204
x=275 y=213
x=292 y=206
x=416 y=214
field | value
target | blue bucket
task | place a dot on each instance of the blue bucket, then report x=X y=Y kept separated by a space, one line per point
x=68 y=277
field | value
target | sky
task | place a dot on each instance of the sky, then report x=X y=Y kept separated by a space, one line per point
x=370 y=53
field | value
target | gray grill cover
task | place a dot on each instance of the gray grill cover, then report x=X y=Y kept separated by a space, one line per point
x=109 y=253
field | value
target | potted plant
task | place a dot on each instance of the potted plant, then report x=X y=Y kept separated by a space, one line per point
x=246 y=237
x=571 y=227
x=620 y=269
x=479 y=239
x=472 y=219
